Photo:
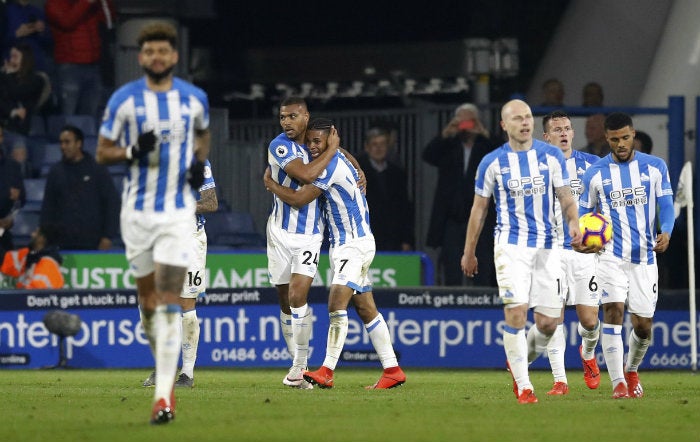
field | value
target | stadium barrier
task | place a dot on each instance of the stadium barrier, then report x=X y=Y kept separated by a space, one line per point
x=431 y=327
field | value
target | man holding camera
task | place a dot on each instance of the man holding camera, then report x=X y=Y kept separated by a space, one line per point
x=456 y=152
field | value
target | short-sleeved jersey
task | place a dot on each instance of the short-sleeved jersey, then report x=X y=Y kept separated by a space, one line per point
x=576 y=166
x=522 y=185
x=306 y=220
x=345 y=207
x=208 y=184
x=158 y=182
x=628 y=193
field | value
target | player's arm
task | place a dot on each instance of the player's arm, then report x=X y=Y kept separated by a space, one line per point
x=296 y=198
x=108 y=152
x=362 y=181
x=667 y=219
x=469 y=263
x=570 y=212
x=307 y=173
x=208 y=202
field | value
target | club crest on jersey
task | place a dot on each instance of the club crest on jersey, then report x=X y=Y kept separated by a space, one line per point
x=281 y=150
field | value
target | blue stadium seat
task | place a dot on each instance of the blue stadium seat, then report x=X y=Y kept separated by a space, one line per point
x=90 y=145
x=117 y=169
x=86 y=123
x=51 y=155
x=34 y=189
x=247 y=240
x=118 y=180
x=233 y=229
x=26 y=221
x=37 y=126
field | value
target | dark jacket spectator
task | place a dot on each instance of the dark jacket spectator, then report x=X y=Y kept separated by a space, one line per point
x=387 y=195
x=454 y=196
x=20 y=90
x=12 y=196
x=80 y=198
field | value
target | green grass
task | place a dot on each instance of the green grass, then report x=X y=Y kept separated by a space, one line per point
x=252 y=404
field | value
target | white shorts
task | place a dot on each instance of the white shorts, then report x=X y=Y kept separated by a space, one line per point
x=634 y=284
x=350 y=263
x=580 y=285
x=289 y=253
x=195 y=281
x=530 y=276
x=156 y=237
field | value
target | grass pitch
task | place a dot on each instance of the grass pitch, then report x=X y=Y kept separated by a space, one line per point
x=253 y=405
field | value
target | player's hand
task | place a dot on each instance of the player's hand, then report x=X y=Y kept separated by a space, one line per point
x=470 y=265
x=586 y=249
x=195 y=175
x=362 y=181
x=333 y=139
x=267 y=178
x=144 y=145
x=662 y=242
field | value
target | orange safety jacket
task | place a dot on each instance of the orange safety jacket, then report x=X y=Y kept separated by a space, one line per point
x=44 y=273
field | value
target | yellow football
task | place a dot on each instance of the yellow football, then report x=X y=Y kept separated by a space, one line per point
x=596 y=229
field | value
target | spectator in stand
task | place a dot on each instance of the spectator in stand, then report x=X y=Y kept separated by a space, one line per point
x=552 y=93
x=12 y=196
x=20 y=153
x=387 y=194
x=80 y=197
x=642 y=142
x=20 y=89
x=456 y=152
x=595 y=136
x=26 y=23
x=37 y=266
x=75 y=25
x=592 y=95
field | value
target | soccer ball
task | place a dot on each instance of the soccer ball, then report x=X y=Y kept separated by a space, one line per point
x=596 y=229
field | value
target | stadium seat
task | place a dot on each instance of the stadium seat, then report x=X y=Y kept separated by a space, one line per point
x=26 y=221
x=117 y=169
x=247 y=240
x=232 y=229
x=34 y=190
x=86 y=123
x=118 y=180
x=90 y=145
x=37 y=126
x=51 y=155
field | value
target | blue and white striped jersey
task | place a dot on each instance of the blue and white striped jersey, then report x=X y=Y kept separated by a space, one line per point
x=307 y=220
x=158 y=182
x=576 y=166
x=628 y=193
x=208 y=184
x=344 y=205
x=522 y=184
